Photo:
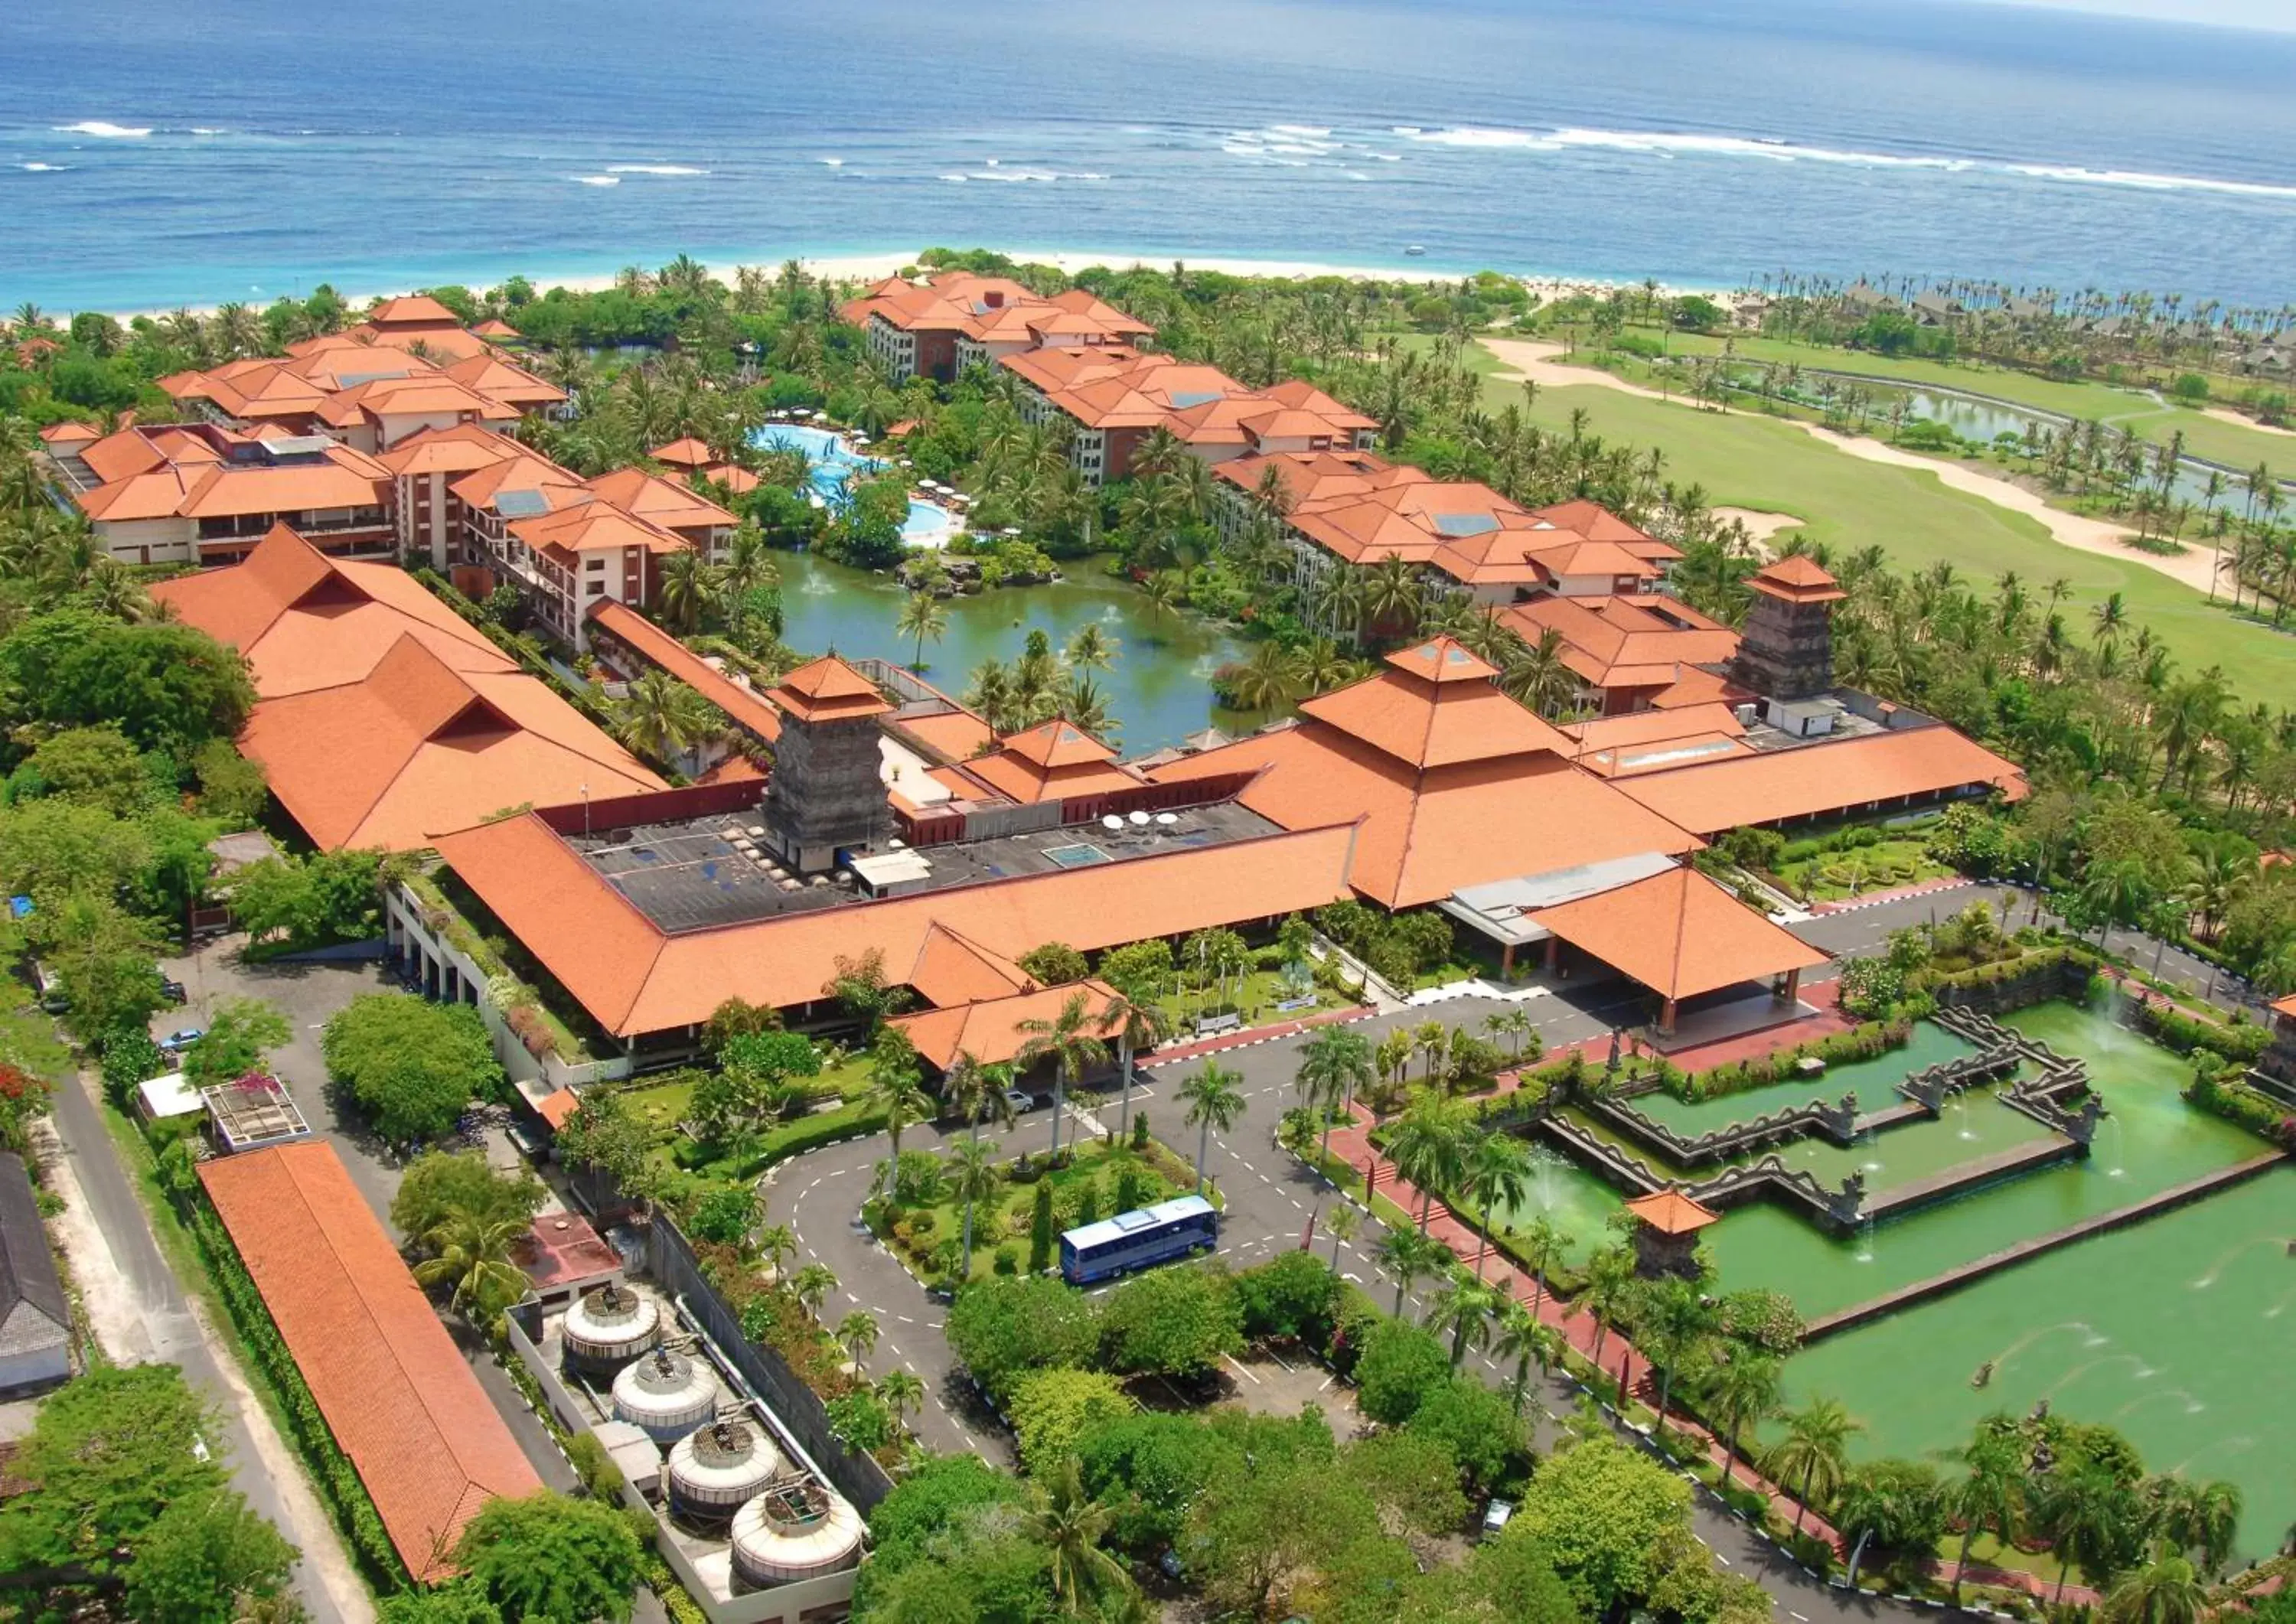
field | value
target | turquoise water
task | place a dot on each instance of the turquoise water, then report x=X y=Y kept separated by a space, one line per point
x=835 y=463
x=1873 y=1082
x=2180 y=1331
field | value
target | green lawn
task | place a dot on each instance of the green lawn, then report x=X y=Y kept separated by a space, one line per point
x=922 y=1232
x=1746 y=460
x=2207 y=437
x=1832 y=875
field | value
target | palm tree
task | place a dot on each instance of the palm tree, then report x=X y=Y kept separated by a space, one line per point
x=893 y=1089
x=1513 y=1023
x=1071 y=1041
x=1069 y=1525
x=688 y=589
x=1496 y=1173
x=1431 y=1038
x=1541 y=1244
x=2165 y=1591
x=812 y=1287
x=2198 y=1518
x=1213 y=1101
x=1813 y=1454
x=1675 y=1318
x=922 y=616
x=1410 y=1257
x=970 y=1171
x=1266 y=682
x=1745 y=1393
x=2087 y=1516
x=1138 y=1024
x=1464 y=1306
x=1609 y=1282
x=1092 y=649
x=777 y=1243
x=1522 y=1339
x=659 y=716
x=1333 y=1063
x=1392 y=596
x=473 y=1256
x=901 y=1391
x=1990 y=1495
x=1535 y=675
x=857 y=1334
x=1342 y=1226
x=1427 y=1145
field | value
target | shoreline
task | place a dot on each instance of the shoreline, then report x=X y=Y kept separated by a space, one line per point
x=874 y=266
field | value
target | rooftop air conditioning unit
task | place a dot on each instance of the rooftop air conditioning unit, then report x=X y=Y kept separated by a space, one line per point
x=1748 y=712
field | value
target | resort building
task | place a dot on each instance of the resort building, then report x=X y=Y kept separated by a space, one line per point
x=1635 y=651
x=1112 y=398
x=426 y=1443
x=200 y=493
x=689 y=460
x=383 y=718
x=936 y=326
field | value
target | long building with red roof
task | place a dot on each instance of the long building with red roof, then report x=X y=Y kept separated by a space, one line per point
x=937 y=325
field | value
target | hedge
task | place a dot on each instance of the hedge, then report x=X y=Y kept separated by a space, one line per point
x=338 y=1480
x=2242 y=1106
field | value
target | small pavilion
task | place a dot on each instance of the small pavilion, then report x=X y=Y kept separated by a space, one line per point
x=1666 y=1234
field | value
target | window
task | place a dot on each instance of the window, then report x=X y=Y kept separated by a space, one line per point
x=595 y=566
x=594 y=589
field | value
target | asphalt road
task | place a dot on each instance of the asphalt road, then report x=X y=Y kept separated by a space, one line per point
x=175 y=1337
x=1270 y=1197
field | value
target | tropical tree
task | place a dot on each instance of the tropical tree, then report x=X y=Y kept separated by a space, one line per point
x=1411 y=1257
x=1463 y=1307
x=1989 y=1497
x=1743 y=1392
x=1214 y=1102
x=1071 y=1039
x=812 y=1285
x=1541 y=1243
x=1496 y=1172
x=1068 y=1524
x=894 y=1089
x=1610 y=1283
x=857 y=1334
x=472 y=1256
x=1341 y=1224
x=970 y=1175
x=1427 y=1145
x=1674 y=1320
x=923 y=618
x=2091 y=1520
x=1814 y=1454
x=2198 y=1518
x=1521 y=1338
x=1335 y=1062
x=2167 y=1590
x=1139 y=1023
x=902 y=1392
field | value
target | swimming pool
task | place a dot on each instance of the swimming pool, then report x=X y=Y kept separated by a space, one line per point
x=834 y=461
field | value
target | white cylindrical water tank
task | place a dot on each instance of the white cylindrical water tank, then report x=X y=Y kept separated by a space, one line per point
x=787 y=1534
x=609 y=1328
x=714 y=1471
x=667 y=1392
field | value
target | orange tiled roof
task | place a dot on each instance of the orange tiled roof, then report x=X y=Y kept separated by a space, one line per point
x=632 y=978
x=659 y=501
x=1435 y=708
x=412 y=310
x=745 y=706
x=993 y=1031
x=497 y=380
x=1597 y=522
x=1055 y=761
x=1644 y=640
x=687 y=453
x=951 y=969
x=1679 y=934
x=200 y=472
x=990 y=308
x=424 y=1437
x=1832 y=775
x=955 y=733
x=417 y=748
x=1671 y=1212
x=827 y=689
x=592 y=526
x=1797 y=580
x=304 y=621
x=462 y=449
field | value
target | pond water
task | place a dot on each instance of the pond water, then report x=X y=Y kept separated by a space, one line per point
x=1567 y=1196
x=2179 y=1331
x=1159 y=689
x=1873 y=1082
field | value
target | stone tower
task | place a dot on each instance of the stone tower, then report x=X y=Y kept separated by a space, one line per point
x=824 y=791
x=1786 y=651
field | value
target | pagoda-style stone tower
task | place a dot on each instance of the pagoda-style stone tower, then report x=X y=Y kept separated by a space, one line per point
x=1666 y=1235
x=1786 y=651
x=824 y=791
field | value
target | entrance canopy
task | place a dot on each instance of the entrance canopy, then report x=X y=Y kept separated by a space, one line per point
x=1679 y=934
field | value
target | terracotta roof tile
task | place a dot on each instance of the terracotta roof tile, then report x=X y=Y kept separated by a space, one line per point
x=1671 y=1212
x=828 y=689
x=397 y=1394
x=1679 y=934
x=745 y=706
x=1832 y=775
x=993 y=1031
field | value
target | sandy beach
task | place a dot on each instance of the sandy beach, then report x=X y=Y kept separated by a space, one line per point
x=1536 y=360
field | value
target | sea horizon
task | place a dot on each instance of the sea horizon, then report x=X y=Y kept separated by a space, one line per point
x=149 y=164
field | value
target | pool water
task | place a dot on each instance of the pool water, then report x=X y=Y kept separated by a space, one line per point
x=834 y=462
x=1873 y=1082
x=1575 y=1202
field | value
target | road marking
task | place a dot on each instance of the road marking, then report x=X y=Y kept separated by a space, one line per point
x=850 y=1298
x=904 y=1319
x=1326 y=1384
x=1241 y=1371
x=1724 y=1561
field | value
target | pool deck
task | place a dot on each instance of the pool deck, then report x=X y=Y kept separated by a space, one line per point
x=1937 y=1285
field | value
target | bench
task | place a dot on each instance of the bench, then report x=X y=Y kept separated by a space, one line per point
x=1287 y=1005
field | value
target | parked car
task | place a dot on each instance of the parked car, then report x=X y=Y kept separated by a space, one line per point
x=1495 y=1517
x=173 y=990
x=177 y=1042
x=1019 y=1101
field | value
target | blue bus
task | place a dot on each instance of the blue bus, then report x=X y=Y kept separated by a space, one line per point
x=1141 y=1238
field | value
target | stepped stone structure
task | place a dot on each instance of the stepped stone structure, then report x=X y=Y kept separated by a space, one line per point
x=825 y=792
x=1786 y=651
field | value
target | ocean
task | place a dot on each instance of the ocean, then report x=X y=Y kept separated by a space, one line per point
x=154 y=154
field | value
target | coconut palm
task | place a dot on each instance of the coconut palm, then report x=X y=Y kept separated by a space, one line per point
x=1541 y=1243
x=894 y=1090
x=1427 y=1145
x=2198 y=1518
x=1341 y=1226
x=1267 y=681
x=1990 y=1495
x=1521 y=1338
x=1392 y=595
x=1463 y=1307
x=473 y=1259
x=689 y=589
x=2090 y=1518
x=1091 y=649
x=857 y=1334
x=812 y=1285
x=2166 y=1591
x=1138 y=1023
x=1743 y=1392
x=659 y=716
x=1068 y=1524
x=1071 y=1039
x=1673 y=1321
x=1214 y=1102
x=1496 y=1172
x=1610 y=1283
x=969 y=1169
x=922 y=617
x=1335 y=1062
x=1411 y=1258
x=901 y=1391
x=1812 y=1455
x=777 y=1243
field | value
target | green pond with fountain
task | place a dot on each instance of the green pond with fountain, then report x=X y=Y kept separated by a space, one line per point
x=1873 y=1082
x=1159 y=689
